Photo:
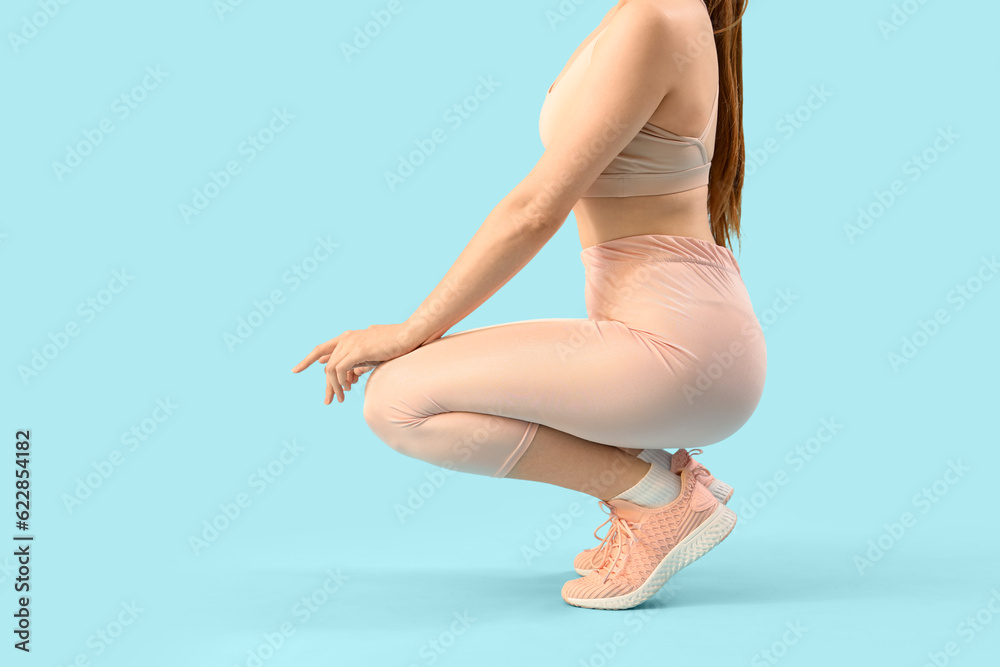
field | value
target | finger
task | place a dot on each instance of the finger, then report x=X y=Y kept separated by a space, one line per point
x=302 y=365
x=334 y=382
x=340 y=365
x=336 y=387
x=343 y=367
x=305 y=363
x=325 y=358
x=316 y=353
x=354 y=374
x=333 y=390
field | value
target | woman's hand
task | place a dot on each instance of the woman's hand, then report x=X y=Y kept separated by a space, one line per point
x=354 y=353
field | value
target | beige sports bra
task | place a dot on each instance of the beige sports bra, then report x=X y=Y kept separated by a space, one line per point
x=655 y=162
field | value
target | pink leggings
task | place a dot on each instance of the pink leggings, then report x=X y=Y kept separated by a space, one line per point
x=671 y=355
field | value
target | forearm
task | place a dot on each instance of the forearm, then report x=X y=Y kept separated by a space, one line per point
x=501 y=247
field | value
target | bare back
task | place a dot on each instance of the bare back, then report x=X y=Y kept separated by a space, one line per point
x=685 y=111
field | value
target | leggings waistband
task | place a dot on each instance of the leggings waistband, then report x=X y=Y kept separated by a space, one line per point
x=657 y=247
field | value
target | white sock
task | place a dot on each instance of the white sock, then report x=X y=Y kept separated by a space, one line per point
x=658 y=456
x=657 y=488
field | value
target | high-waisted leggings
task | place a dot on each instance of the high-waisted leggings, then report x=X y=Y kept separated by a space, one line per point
x=670 y=355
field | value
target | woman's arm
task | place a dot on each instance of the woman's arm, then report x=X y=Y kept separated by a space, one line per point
x=631 y=69
x=502 y=246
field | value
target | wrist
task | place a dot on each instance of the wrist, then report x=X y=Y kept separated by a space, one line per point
x=415 y=331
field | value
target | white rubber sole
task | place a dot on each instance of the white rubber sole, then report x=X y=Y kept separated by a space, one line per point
x=695 y=545
x=722 y=492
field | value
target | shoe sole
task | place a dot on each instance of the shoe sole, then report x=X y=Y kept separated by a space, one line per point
x=722 y=492
x=695 y=545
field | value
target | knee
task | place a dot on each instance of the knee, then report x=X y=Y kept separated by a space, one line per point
x=379 y=400
x=387 y=411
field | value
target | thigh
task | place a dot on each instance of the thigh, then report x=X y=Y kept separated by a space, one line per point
x=596 y=379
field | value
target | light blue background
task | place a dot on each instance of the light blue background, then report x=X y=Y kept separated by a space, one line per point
x=334 y=507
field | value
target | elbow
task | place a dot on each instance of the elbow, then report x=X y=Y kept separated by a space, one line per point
x=538 y=213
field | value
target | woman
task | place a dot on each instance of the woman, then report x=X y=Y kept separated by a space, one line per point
x=670 y=355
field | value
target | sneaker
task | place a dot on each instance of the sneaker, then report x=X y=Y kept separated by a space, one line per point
x=589 y=559
x=722 y=491
x=645 y=546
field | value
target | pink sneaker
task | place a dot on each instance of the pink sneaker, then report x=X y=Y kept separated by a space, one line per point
x=645 y=546
x=589 y=559
x=722 y=491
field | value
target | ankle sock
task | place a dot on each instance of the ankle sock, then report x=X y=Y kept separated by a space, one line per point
x=657 y=488
x=657 y=457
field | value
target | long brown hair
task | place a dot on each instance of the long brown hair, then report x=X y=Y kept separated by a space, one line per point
x=725 y=187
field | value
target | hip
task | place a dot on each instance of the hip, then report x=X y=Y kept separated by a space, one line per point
x=682 y=295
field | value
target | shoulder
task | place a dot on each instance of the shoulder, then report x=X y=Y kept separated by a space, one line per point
x=655 y=37
x=655 y=28
x=642 y=19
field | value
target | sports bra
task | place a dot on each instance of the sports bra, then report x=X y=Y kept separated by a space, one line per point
x=655 y=162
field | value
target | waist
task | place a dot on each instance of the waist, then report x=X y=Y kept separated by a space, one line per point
x=643 y=248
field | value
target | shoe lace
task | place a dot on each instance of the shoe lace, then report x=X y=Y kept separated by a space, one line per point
x=619 y=540
x=610 y=510
x=598 y=554
x=682 y=459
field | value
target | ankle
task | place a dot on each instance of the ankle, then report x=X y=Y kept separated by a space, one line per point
x=658 y=487
x=627 y=472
